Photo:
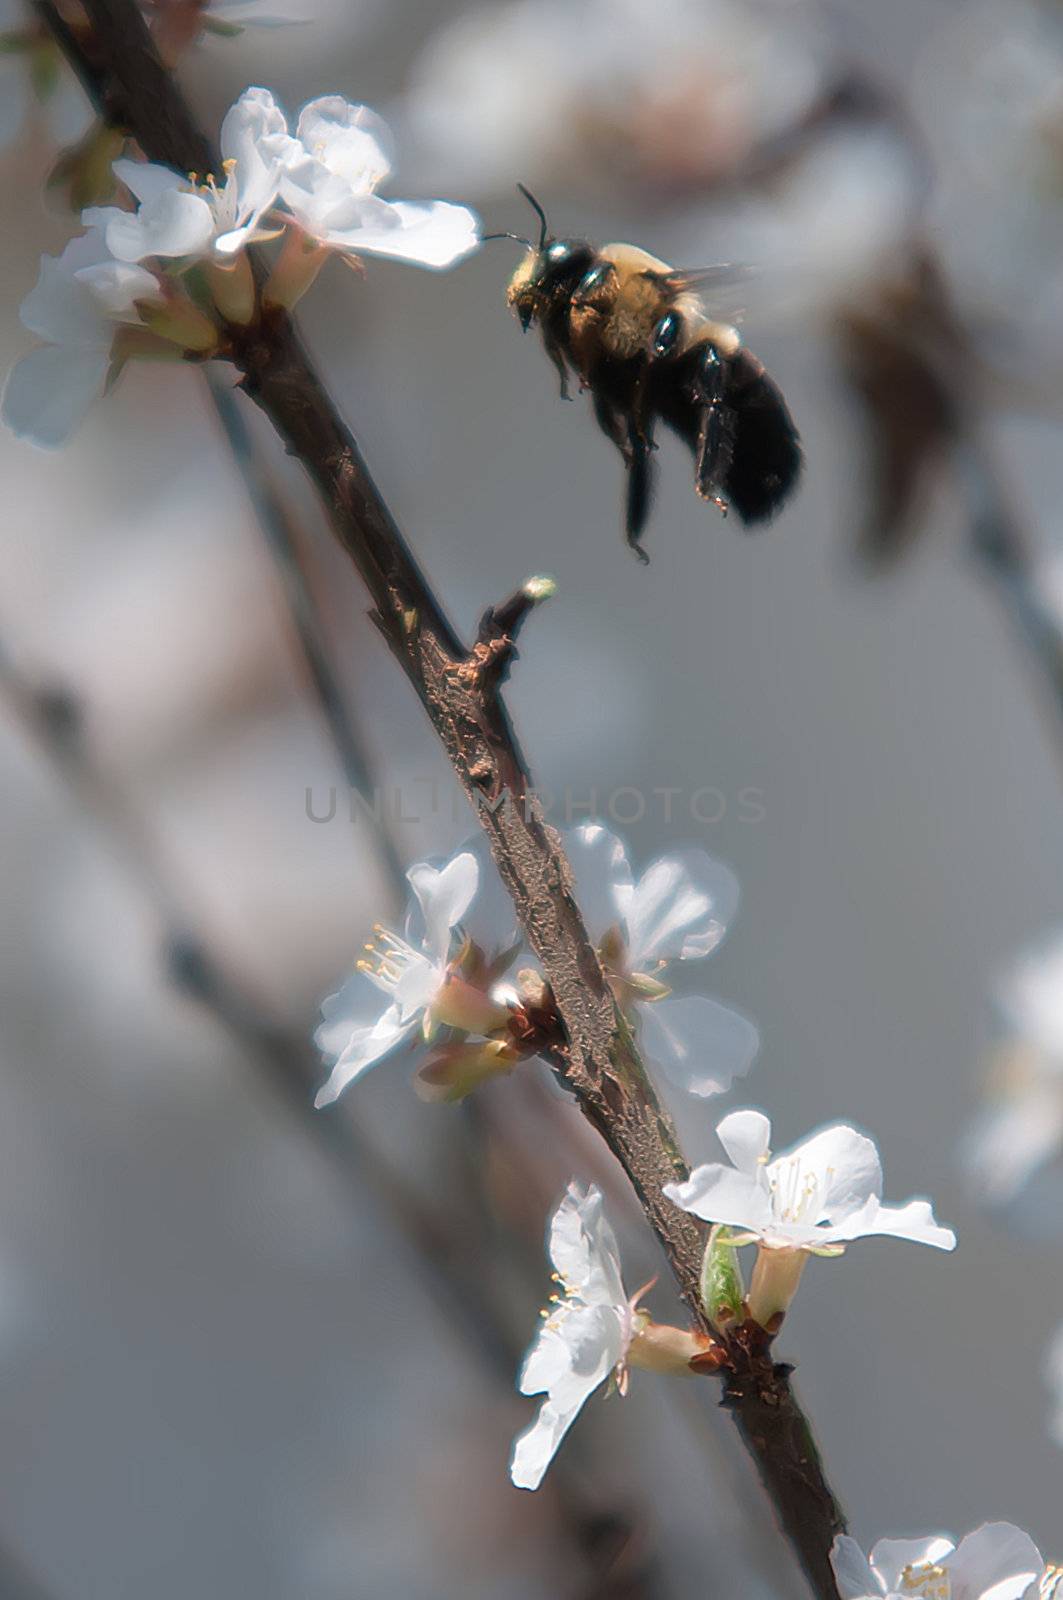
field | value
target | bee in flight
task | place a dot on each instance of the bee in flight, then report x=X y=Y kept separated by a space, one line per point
x=634 y=331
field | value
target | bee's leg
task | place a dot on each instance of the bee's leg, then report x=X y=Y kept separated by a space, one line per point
x=639 y=492
x=641 y=412
x=614 y=425
x=716 y=434
x=557 y=356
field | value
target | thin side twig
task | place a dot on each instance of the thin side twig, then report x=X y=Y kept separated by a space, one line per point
x=281 y=542
x=599 y=1063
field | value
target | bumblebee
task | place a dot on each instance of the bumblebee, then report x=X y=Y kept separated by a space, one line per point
x=634 y=332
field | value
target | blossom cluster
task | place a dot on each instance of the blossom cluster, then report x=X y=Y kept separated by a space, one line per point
x=169 y=275
x=443 y=979
x=443 y=987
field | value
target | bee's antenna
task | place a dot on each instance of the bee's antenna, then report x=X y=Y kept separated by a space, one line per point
x=517 y=237
x=539 y=212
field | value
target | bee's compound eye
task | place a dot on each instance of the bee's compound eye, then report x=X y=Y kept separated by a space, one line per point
x=665 y=334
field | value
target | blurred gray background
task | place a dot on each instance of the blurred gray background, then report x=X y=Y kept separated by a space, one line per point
x=221 y=1369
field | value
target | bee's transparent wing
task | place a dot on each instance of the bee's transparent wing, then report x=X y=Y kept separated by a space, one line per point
x=715 y=286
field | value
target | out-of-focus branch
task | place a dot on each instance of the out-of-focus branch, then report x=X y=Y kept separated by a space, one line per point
x=598 y=1062
x=909 y=357
x=282 y=543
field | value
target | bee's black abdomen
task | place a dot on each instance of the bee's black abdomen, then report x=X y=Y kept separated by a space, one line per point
x=767 y=448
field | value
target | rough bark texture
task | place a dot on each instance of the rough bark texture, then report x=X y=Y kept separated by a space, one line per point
x=598 y=1061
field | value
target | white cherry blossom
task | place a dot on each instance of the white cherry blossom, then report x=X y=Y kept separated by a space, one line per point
x=678 y=910
x=178 y=216
x=32 y=72
x=332 y=166
x=417 y=975
x=592 y=1331
x=997 y=1559
x=1019 y=1127
x=815 y=1199
x=80 y=301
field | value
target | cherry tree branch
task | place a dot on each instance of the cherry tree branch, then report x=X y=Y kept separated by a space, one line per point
x=459 y=690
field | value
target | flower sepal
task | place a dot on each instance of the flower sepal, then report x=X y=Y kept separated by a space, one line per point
x=461 y=1004
x=659 y=1347
x=456 y=1069
x=295 y=270
x=181 y=322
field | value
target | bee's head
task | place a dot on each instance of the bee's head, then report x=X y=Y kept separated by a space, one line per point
x=551 y=266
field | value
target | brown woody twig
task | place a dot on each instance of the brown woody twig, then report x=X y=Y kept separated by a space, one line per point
x=599 y=1063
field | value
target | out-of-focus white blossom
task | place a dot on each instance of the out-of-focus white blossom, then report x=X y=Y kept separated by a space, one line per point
x=80 y=299
x=988 y=90
x=418 y=974
x=997 y=1559
x=815 y=1200
x=178 y=24
x=600 y=89
x=1020 y=1125
x=32 y=71
x=678 y=910
x=591 y=1331
x=178 y=217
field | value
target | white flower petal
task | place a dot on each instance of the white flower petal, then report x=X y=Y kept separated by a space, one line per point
x=914 y=1221
x=679 y=909
x=845 y=1165
x=852 y=1571
x=602 y=873
x=583 y=1247
x=146 y=180
x=429 y=233
x=890 y=1557
x=350 y=140
x=417 y=986
x=534 y=1449
x=746 y=1136
x=716 y=1193
x=998 y=1557
x=700 y=1045
x=48 y=392
x=247 y=138
x=364 y=1049
x=353 y=1007
x=56 y=308
x=444 y=896
x=173 y=223
x=117 y=286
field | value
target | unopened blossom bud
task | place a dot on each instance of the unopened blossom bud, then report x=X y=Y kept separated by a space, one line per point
x=722 y=1293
